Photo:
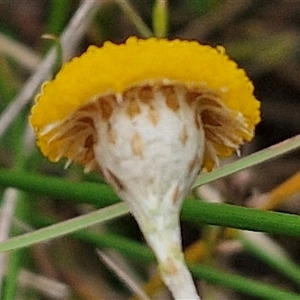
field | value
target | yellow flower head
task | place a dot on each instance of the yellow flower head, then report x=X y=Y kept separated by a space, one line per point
x=220 y=91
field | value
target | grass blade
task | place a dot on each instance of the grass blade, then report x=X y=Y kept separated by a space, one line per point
x=63 y=228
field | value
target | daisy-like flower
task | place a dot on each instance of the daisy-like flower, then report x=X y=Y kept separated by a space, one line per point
x=149 y=115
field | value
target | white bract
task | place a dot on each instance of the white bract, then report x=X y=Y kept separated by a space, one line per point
x=151 y=158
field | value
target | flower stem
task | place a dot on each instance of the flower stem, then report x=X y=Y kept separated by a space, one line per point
x=176 y=275
x=163 y=236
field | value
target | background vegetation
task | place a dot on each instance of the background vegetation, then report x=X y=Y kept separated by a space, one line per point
x=234 y=251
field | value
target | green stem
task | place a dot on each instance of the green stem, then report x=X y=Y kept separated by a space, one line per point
x=135 y=250
x=160 y=18
x=13 y=268
x=83 y=192
x=271 y=255
x=63 y=228
x=250 y=160
x=193 y=210
x=125 y=245
x=58 y=15
x=133 y=16
x=7 y=86
x=239 y=217
x=57 y=18
x=16 y=259
x=240 y=284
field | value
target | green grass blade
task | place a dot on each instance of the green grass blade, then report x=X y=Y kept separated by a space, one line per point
x=136 y=250
x=160 y=18
x=135 y=18
x=193 y=210
x=63 y=228
x=126 y=246
x=14 y=265
x=55 y=187
x=57 y=17
x=240 y=284
x=271 y=254
x=250 y=161
x=240 y=217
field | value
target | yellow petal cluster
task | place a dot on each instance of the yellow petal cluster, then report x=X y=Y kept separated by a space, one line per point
x=114 y=68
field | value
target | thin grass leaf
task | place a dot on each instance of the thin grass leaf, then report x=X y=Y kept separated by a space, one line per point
x=193 y=210
x=160 y=18
x=69 y=39
x=270 y=253
x=63 y=228
x=122 y=275
x=137 y=251
x=58 y=14
x=135 y=18
x=240 y=283
x=239 y=217
x=84 y=192
x=250 y=161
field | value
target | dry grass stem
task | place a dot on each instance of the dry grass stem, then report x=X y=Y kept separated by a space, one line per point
x=69 y=39
x=7 y=213
x=123 y=275
x=49 y=287
x=18 y=51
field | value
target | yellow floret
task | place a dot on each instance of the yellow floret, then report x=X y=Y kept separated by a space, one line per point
x=114 y=68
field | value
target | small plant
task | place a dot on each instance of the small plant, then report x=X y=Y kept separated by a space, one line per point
x=150 y=115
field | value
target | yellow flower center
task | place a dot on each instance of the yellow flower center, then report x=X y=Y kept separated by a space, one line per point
x=102 y=78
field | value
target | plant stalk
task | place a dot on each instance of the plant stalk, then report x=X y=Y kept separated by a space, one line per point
x=163 y=236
